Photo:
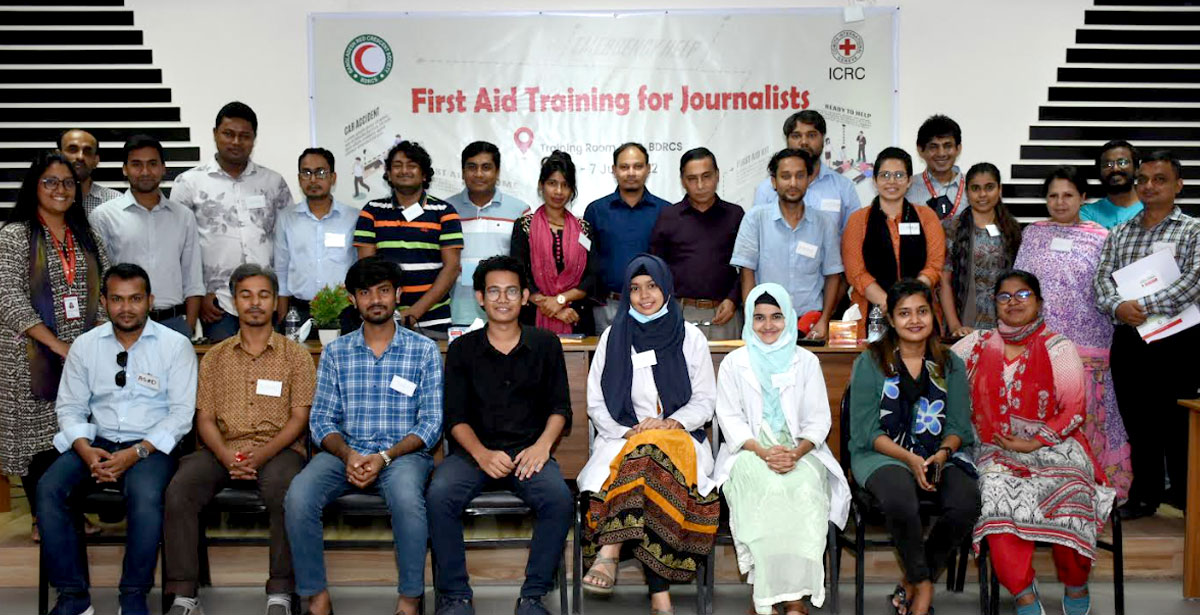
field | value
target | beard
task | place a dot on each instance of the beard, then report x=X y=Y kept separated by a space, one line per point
x=138 y=323
x=376 y=320
x=1112 y=188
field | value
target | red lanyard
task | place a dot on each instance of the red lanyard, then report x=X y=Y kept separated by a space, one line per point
x=957 y=198
x=65 y=257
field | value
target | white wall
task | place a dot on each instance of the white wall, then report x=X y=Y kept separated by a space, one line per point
x=986 y=63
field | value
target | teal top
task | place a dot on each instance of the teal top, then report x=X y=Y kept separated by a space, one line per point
x=866 y=389
x=1107 y=214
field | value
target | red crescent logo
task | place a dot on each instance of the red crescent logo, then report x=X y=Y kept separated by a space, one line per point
x=358 y=63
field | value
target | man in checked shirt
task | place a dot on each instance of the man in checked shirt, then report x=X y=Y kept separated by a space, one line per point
x=377 y=414
x=1150 y=377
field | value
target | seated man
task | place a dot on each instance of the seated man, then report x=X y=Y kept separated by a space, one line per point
x=127 y=395
x=507 y=404
x=251 y=416
x=377 y=413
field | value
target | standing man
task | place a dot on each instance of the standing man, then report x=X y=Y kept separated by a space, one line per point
x=1150 y=377
x=862 y=147
x=418 y=232
x=147 y=229
x=127 y=396
x=83 y=150
x=377 y=413
x=507 y=405
x=487 y=217
x=359 y=171
x=941 y=186
x=695 y=237
x=251 y=417
x=783 y=243
x=829 y=192
x=621 y=223
x=236 y=202
x=314 y=239
x=1115 y=166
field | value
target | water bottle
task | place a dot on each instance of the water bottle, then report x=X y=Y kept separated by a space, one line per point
x=291 y=324
x=876 y=325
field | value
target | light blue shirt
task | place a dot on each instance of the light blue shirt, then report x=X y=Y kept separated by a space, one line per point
x=919 y=194
x=158 y=399
x=311 y=254
x=831 y=193
x=487 y=232
x=797 y=259
x=1108 y=214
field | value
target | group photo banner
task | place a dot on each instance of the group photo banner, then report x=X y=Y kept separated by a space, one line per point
x=584 y=83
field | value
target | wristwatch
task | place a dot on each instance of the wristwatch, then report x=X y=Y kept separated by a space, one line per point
x=141 y=450
x=561 y=299
x=387 y=460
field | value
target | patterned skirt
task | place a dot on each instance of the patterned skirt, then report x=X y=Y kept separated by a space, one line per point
x=650 y=501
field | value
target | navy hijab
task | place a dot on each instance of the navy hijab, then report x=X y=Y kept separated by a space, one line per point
x=663 y=335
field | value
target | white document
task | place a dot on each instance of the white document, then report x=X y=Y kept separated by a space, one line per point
x=644 y=359
x=335 y=240
x=833 y=205
x=270 y=388
x=1147 y=276
x=412 y=212
x=803 y=248
x=910 y=228
x=1060 y=244
x=256 y=201
x=403 y=386
x=992 y=230
x=585 y=242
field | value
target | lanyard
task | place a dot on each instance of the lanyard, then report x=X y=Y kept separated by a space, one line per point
x=957 y=198
x=65 y=257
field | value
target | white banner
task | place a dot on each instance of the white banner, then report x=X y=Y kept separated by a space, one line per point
x=585 y=83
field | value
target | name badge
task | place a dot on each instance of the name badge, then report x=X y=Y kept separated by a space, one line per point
x=831 y=205
x=1059 y=244
x=910 y=228
x=71 y=307
x=806 y=249
x=257 y=201
x=412 y=212
x=585 y=242
x=335 y=240
x=148 y=381
x=403 y=386
x=1158 y=246
x=270 y=388
x=781 y=380
x=993 y=230
x=644 y=359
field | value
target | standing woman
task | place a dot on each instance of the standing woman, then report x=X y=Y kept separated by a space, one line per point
x=780 y=480
x=981 y=242
x=50 y=267
x=555 y=248
x=650 y=392
x=1064 y=253
x=891 y=239
x=910 y=416
x=1037 y=478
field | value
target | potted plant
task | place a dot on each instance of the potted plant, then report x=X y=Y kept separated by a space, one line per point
x=326 y=310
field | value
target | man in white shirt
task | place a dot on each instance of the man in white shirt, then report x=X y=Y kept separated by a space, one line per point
x=942 y=185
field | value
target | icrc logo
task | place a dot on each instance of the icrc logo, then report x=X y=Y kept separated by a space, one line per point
x=368 y=59
x=847 y=46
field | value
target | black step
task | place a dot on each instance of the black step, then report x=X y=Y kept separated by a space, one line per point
x=62 y=2
x=66 y=18
x=102 y=174
x=1147 y=2
x=27 y=154
x=1088 y=152
x=1101 y=94
x=1134 y=56
x=1141 y=18
x=1108 y=133
x=1034 y=191
x=72 y=37
x=90 y=56
x=1136 y=37
x=1119 y=114
x=1040 y=171
x=1130 y=75
x=85 y=95
x=81 y=75
x=91 y=114
x=103 y=134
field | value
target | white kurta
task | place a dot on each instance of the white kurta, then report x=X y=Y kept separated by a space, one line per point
x=805 y=404
x=610 y=435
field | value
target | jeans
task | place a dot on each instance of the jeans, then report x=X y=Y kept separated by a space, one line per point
x=402 y=485
x=221 y=330
x=143 y=485
x=456 y=481
x=178 y=324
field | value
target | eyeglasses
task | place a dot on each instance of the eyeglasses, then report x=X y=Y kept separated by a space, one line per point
x=512 y=293
x=319 y=173
x=1119 y=162
x=1021 y=295
x=122 y=361
x=890 y=175
x=50 y=183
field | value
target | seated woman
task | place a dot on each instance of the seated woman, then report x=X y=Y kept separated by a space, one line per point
x=650 y=392
x=780 y=480
x=910 y=416
x=1037 y=476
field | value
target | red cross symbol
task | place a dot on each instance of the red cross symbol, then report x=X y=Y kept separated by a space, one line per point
x=847 y=47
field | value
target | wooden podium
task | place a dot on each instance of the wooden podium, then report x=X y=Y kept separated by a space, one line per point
x=1191 y=543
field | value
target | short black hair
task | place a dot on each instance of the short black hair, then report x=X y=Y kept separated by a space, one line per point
x=317 y=151
x=1029 y=279
x=137 y=142
x=502 y=262
x=239 y=111
x=938 y=126
x=1165 y=155
x=414 y=152
x=697 y=153
x=789 y=152
x=624 y=146
x=1114 y=144
x=1069 y=173
x=560 y=161
x=807 y=116
x=893 y=153
x=251 y=270
x=370 y=271
x=476 y=148
x=124 y=271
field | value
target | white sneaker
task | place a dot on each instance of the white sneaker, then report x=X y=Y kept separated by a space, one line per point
x=184 y=606
x=279 y=604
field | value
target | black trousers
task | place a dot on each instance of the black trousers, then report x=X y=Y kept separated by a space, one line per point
x=898 y=496
x=1149 y=379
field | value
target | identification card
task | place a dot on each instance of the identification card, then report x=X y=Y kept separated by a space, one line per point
x=71 y=307
x=270 y=388
x=644 y=359
x=149 y=381
x=780 y=381
x=256 y=201
x=993 y=230
x=910 y=228
x=805 y=249
x=403 y=387
x=585 y=242
x=1159 y=246
x=1059 y=244
x=335 y=240
x=831 y=205
x=412 y=212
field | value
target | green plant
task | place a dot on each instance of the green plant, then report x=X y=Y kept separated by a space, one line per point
x=326 y=307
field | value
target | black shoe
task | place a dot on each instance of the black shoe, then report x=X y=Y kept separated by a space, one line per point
x=454 y=606
x=1136 y=510
x=530 y=606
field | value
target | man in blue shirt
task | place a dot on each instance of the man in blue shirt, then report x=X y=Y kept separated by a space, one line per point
x=377 y=413
x=1115 y=165
x=127 y=395
x=941 y=185
x=621 y=223
x=314 y=239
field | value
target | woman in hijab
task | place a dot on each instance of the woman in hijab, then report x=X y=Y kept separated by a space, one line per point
x=780 y=480
x=651 y=390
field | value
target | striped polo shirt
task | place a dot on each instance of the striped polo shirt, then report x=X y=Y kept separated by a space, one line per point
x=416 y=245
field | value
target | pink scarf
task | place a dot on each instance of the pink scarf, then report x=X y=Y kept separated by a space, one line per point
x=545 y=273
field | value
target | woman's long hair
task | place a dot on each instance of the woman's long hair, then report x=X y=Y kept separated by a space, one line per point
x=26 y=208
x=964 y=227
x=884 y=350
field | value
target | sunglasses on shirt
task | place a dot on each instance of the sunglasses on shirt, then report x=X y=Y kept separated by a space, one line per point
x=122 y=361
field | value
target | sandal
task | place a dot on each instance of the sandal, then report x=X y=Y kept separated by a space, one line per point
x=611 y=579
x=899 y=600
x=662 y=612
